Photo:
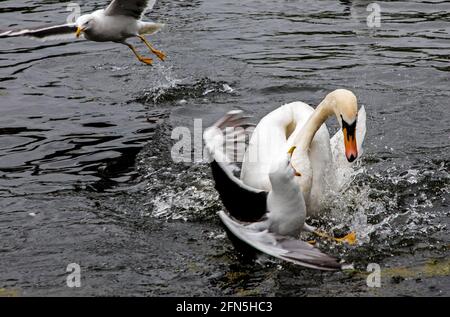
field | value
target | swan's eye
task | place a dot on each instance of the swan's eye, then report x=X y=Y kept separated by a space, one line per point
x=350 y=128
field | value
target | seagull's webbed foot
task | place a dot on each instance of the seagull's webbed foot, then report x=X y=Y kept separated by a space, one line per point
x=161 y=55
x=145 y=60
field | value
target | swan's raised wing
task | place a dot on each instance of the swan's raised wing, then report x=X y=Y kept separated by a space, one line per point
x=50 y=32
x=285 y=248
x=243 y=202
x=132 y=8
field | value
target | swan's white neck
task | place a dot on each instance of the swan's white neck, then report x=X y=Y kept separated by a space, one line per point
x=319 y=116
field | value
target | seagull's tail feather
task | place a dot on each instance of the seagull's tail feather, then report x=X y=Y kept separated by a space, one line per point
x=148 y=28
x=282 y=247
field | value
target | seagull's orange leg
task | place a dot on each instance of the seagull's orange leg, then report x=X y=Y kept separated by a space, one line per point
x=145 y=60
x=161 y=55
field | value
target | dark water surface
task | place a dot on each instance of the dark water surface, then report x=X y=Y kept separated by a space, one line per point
x=85 y=134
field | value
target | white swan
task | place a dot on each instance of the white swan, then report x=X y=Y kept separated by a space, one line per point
x=320 y=161
x=269 y=221
x=268 y=206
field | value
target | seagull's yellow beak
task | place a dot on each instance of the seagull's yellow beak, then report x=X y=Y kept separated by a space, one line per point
x=79 y=31
x=291 y=152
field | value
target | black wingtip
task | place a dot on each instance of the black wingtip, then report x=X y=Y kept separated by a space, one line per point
x=242 y=204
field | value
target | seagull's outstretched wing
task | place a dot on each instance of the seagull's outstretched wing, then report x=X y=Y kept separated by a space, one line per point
x=286 y=248
x=53 y=32
x=132 y=8
x=243 y=202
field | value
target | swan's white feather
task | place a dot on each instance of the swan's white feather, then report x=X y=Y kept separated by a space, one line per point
x=323 y=164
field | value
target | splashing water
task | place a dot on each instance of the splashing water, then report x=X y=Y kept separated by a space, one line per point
x=389 y=208
x=166 y=82
x=180 y=90
x=187 y=204
x=176 y=191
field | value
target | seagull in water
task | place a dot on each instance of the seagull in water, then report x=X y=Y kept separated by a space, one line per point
x=120 y=21
x=269 y=221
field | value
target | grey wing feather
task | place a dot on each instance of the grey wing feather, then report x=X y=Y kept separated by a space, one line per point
x=228 y=146
x=286 y=248
x=64 y=31
x=242 y=201
x=133 y=8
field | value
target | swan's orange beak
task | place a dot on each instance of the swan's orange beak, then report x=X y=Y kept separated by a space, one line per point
x=351 y=149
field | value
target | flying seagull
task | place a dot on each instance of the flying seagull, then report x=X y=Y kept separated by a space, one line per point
x=120 y=21
x=270 y=222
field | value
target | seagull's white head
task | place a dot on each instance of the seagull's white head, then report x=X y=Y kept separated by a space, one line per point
x=283 y=172
x=84 y=23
